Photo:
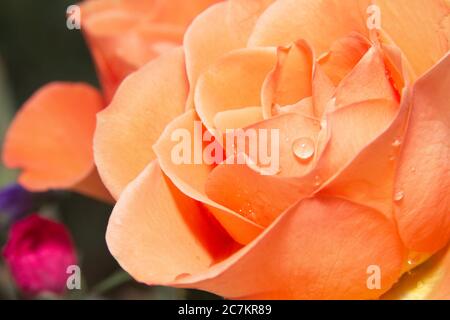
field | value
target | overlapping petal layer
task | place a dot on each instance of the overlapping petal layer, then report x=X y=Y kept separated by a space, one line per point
x=423 y=174
x=157 y=233
x=191 y=178
x=124 y=35
x=431 y=280
x=420 y=28
x=230 y=21
x=144 y=104
x=234 y=81
x=318 y=22
x=290 y=260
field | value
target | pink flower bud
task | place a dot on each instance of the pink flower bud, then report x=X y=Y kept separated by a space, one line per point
x=38 y=253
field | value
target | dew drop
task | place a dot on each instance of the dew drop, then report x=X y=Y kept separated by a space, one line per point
x=246 y=210
x=323 y=124
x=303 y=148
x=317 y=181
x=277 y=109
x=399 y=195
x=397 y=143
x=420 y=284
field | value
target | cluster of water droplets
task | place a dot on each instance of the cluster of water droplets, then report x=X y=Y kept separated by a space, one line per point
x=399 y=194
x=396 y=145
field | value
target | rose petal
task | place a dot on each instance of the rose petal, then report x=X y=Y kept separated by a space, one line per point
x=180 y=12
x=312 y=256
x=50 y=139
x=304 y=107
x=291 y=127
x=230 y=21
x=191 y=177
x=146 y=42
x=121 y=43
x=241 y=189
x=423 y=174
x=104 y=24
x=441 y=290
x=254 y=196
x=156 y=233
x=318 y=22
x=237 y=118
x=369 y=177
x=398 y=68
x=200 y=41
x=350 y=130
x=431 y=280
x=323 y=91
x=243 y=14
x=144 y=104
x=430 y=21
x=124 y=35
x=94 y=7
x=234 y=81
x=344 y=54
x=338 y=153
x=290 y=80
x=177 y=12
x=367 y=81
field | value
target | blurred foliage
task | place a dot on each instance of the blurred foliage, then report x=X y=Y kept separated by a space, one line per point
x=6 y=111
x=37 y=48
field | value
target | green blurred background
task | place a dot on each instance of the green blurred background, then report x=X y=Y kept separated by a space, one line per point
x=36 y=48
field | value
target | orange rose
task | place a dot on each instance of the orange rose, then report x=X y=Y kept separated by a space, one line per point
x=124 y=35
x=50 y=139
x=366 y=191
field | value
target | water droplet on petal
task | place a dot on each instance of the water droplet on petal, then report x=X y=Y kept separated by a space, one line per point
x=399 y=195
x=246 y=210
x=397 y=143
x=420 y=284
x=413 y=169
x=317 y=181
x=277 y=109
x=303 y=148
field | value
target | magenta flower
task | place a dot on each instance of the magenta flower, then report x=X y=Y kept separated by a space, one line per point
x=38 y=253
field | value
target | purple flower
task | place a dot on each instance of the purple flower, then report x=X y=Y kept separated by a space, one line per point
x=15 y=201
